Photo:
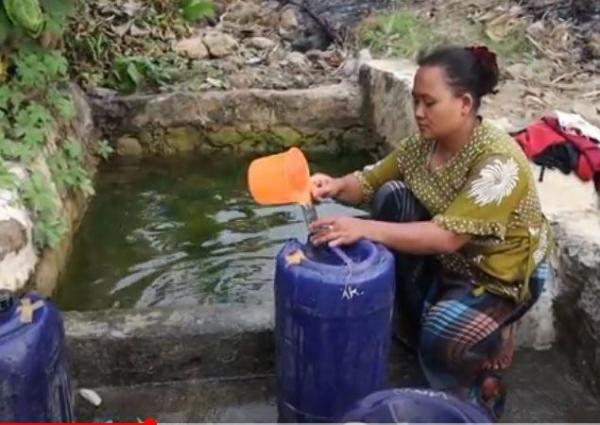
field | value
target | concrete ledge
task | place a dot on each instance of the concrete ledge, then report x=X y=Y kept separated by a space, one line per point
x=113 y=347
x=387 y=98
x=577 y=306
x=253 y=120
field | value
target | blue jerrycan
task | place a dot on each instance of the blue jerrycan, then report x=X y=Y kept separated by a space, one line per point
x=333 y=311
x=35 y=382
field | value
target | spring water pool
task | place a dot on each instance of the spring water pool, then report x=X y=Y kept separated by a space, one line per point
x=182 y=231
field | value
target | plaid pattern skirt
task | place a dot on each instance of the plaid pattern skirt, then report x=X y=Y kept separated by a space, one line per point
x=454 y=330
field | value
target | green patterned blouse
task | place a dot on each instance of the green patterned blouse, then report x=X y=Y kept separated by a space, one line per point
x=487 y=190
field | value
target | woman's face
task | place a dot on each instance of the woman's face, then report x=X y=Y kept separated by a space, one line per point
x=439 y=112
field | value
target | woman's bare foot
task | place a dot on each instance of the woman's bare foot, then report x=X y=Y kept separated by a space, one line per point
x=503 y=358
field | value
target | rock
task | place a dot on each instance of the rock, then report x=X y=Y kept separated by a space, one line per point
x=593 y=46
x=12 y=237
x=193 y=48
x=297 y=59
x=261 y=43
x=129 y=146
x=288 y=19
x=91 y=396
x=314 y=55
x=351 y=66
x=242 y=12
x=588 y=111
x=386 y=87
x=84 y=123
x=286 y=35
x=241 y=80
x=577 y=306
x=219 y=44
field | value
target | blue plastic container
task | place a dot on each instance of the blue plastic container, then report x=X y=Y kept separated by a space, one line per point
x=409 y=405
x=332 y=326
x=35 y=384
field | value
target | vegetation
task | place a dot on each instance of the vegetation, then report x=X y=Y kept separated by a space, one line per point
x=127 y=45
x=402 y=33
x=36 y=112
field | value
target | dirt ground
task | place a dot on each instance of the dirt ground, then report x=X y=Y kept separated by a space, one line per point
x=549 y=60
x=549 y=49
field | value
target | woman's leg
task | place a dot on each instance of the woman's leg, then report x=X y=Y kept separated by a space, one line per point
x=502 y=358
x=462 y=330
x=394 y=202
x=459 y=331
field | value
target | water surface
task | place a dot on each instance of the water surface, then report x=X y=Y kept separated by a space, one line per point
x=181 y=231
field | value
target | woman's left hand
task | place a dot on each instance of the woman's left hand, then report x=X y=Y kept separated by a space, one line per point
x=337 y=231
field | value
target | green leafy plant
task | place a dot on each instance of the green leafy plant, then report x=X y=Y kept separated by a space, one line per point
x=57 y=14
x=7 y=179
x=37 y=195
x=134 y=72
x=104 y=149
x=34 y=109
x=67 y=171
x=194 y=10
x=62 y=104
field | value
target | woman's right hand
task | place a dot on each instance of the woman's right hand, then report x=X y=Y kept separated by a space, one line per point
x=324 y=186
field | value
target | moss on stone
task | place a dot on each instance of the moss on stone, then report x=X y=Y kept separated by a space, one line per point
x=226 y=136
x=287 y=136
x=182 y=139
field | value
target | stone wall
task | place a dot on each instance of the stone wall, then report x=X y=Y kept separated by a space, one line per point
x=21 y=265
x=387 y=101
x=577 y=305
x=322 y=118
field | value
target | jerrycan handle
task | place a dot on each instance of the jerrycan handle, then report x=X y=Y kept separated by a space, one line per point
x=342 y=255
x=310 y=214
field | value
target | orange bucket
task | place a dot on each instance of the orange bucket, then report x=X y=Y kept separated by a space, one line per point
x=282 y=178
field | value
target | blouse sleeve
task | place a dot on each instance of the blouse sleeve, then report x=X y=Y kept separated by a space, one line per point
x=493 y=190
x=373 y=176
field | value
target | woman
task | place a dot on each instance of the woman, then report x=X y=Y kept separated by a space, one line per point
x=457 y=203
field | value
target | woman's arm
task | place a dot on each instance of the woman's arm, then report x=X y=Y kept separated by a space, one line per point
x=359 y=186
x=346 y=189
x=420 y=238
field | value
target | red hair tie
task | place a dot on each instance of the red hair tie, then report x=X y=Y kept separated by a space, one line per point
x=485 y=55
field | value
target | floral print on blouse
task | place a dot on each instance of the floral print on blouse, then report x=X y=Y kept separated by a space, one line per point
x=487 y=190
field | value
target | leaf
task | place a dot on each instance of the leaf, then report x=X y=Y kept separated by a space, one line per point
x=104 y=149
x=31 y=70
x=16 y=98
x=63 y=104
x=73 y=149
x=48 y=232
x=135 y=75
x=34 y=115
x=27 y=14
x=63 y=8
x=33 y=138
x=56 y=65
x=38 y=194
x=194 y=10
x=6 y=26
x=5 y=95
x=16 y=151
x=57 y=14
x=7 y=179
